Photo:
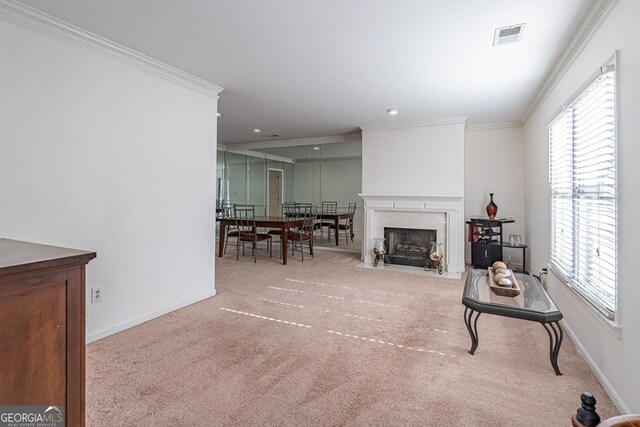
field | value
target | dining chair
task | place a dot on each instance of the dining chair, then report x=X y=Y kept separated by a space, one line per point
x=327 y=208
x=346 y=224
x=303 y=207
x=304 y=233
x=288 y=211
x=353 y=207
x=232 y=230
x=245 y=219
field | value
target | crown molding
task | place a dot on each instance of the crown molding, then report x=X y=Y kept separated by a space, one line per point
x=496 y=125
x=31 y=18
x=260 y=155
x=334 y=139
x=409 y=125
x=578 y=43
x=326 y=159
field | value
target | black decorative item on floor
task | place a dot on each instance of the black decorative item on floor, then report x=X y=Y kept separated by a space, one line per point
x=586 y=414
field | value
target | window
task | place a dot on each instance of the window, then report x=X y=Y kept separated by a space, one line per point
x=582 y=175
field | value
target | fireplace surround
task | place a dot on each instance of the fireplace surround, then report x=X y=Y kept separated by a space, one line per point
x=443 y=213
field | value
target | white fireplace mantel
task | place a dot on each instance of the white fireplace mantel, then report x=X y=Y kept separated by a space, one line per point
x=418 y=207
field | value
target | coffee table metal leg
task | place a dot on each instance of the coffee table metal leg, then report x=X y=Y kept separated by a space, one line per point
x=555 y=341
x=472 y=327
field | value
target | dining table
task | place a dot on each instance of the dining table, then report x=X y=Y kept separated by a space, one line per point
x=273 y=222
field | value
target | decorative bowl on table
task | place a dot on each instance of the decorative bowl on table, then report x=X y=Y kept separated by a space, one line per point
x=505 y=271
x=506 y=286
x=499 y=264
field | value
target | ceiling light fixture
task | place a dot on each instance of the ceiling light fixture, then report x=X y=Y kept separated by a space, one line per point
x=392 y=111
x=256 y=130
x=219 y=114
x=316 y=148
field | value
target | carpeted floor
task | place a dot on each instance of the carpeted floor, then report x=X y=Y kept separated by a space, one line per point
x=325 y=343
x=323 y=241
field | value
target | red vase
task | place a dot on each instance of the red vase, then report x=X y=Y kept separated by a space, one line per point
x=492 y=208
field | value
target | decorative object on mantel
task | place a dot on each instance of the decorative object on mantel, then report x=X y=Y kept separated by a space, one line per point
x=492 y=208
x=436 y=258
x=379 y=251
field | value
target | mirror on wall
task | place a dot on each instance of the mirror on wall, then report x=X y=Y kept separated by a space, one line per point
x=248 y=178
x=268 y=177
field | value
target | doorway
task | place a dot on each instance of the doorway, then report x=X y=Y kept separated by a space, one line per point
x=276 y=190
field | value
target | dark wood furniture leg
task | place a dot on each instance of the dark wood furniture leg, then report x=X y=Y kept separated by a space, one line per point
x=337 y=224
x=285 y=243
x=223 y=229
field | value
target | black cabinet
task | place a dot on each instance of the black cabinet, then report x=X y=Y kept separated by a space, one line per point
x=486 y=240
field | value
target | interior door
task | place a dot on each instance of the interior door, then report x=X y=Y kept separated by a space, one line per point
x=275 y=192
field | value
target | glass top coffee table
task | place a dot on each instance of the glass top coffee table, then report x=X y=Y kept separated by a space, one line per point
x=533 y=303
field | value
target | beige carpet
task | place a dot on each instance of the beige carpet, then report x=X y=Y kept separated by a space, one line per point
x=325 y=343
x=322 y=242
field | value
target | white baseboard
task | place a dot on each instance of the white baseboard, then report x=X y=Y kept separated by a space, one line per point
x=119 y=328
x=608 y=388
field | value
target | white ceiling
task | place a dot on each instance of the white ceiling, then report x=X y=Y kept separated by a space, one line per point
x=302 y=69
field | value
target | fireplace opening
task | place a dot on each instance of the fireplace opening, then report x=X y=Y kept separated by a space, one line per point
x=408 y=246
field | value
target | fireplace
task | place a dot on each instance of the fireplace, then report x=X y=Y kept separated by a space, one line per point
x=409 y=246
x=441 y=213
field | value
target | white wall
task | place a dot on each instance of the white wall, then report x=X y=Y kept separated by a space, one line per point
x=98 y=155
x=613 y=352
x=494 y=163
x=414 y=160
x=416 y=169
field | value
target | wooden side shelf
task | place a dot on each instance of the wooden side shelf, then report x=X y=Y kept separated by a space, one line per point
x=42 y=313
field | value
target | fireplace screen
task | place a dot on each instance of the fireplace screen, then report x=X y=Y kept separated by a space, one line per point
x=408 y=246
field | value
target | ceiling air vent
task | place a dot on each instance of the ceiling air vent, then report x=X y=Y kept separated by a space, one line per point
x=507 y=35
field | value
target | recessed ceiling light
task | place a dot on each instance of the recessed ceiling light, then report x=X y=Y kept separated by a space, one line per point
x=316 y=148
x=220 y=115
x=256 y=130
x=392 y=111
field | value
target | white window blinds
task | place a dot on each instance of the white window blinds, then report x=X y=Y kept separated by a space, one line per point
x=582 y=175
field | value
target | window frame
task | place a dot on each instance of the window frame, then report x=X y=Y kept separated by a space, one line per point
x=570 y=273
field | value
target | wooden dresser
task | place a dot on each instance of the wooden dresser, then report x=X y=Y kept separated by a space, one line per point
x=42 y=327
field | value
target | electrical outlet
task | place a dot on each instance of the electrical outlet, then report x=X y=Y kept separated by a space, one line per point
x=96 y=294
